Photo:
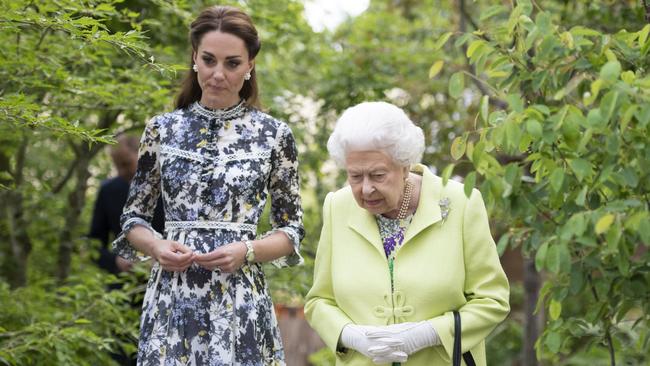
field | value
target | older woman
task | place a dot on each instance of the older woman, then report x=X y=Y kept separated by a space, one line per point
x=399 y=252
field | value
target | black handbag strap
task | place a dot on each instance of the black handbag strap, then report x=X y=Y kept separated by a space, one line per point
x=467 y=356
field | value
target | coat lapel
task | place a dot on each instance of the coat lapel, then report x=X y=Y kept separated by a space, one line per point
x=428 y=211
x=364 y=223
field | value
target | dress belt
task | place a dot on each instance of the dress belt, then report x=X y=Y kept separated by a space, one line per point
x=233 y=226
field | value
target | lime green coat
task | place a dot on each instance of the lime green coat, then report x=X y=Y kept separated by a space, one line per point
x=441 y=266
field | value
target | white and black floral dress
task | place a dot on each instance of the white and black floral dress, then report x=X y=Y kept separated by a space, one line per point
x=214 y=169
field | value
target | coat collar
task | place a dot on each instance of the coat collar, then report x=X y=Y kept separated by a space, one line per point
x=427 y=213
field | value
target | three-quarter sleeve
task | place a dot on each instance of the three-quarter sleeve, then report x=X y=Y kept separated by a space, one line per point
x=284 y=187
x=143 y=193
x=486 y=286
x=321 y=309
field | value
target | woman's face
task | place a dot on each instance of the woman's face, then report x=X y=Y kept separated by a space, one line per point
x=377 y=182
x=222 y=60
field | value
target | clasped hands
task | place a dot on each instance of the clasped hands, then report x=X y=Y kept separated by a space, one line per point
x=176 y=257
x=391 y=343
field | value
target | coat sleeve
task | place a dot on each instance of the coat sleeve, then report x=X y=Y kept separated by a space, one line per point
x=284 y=186
x=321 y=309
x=486 y=287
x=143 y=192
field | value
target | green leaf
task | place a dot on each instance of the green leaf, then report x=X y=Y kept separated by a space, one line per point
x=558 y=258
x=556 y=179
x=446 y=173
x=485 y=108
x=581 y=167
x=628 y=76
x=608 y=104
x=595 y=118
x=553 y=259
x=492 y=11
x=526 y=6
x=534 y=128
x=555 y=309
x=610 y=71
x=644 y=230
x=82 y=321
x=104 y=7
x=630 y=177
x=540 y=256
x=515 y=102
x=643 y=115
x=441 y=41
x=643 y=35
x=584 y=31
x=623 y=264
x=470 y=181
x=458 y=147
x=502 y=245
x=456 y=85
x=580 y=198
x=604 y=223
x=473 y=47
x=435 y=68
x=627 y=116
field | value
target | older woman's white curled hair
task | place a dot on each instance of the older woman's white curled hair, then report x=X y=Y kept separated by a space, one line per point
x=376 y=126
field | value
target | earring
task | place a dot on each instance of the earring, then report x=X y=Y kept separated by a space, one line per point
x=195 y=68
x=247 y=76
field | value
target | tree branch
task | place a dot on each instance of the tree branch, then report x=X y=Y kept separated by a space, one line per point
x=57 y=188
x=496 y=102
x=20 y=160
x=646 y=5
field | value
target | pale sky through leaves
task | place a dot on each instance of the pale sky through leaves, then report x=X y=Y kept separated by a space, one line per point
x=328 y=14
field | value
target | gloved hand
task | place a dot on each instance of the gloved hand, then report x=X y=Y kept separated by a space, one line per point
x=414 y=336
x=380 y=349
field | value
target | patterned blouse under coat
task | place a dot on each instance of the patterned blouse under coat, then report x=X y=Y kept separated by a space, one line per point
x=214 y=169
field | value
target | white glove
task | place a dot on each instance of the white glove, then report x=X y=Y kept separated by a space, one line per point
x=380 y=349
x=414 y=336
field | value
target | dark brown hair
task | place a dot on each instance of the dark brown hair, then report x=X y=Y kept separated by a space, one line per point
x=226 y=19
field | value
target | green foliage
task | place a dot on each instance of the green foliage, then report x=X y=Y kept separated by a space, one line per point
x=78 y=323
x=556 y=140
x=563 y=163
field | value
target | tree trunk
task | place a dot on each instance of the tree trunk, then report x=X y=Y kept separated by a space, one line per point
x=76 y=201
x=646 y=5
x=532 y=323
x=77 y=197
x=17 y=252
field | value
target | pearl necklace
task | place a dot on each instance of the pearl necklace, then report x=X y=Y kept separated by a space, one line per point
x=406 y=200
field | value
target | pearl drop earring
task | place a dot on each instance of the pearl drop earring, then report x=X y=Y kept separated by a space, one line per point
x=247 y=76
x=195 y=68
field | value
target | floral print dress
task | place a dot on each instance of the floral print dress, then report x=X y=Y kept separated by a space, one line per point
x=214 y=170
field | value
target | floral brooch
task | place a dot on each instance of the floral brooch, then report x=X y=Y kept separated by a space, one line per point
x=444 y=208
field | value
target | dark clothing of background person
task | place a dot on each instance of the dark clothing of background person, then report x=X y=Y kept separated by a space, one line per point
x=106 y=219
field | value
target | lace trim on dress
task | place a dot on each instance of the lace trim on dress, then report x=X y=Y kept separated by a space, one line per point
x=226 y=158
x=253 y=155
x=182 y=153
x=233 y=226
x=222 y=114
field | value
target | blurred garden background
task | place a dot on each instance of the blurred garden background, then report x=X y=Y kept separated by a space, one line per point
x=542 y=104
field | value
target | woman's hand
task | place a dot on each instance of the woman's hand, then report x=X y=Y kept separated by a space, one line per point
x=414 y=336
x=380 y=350
x=172 y=255
x=228 y=258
